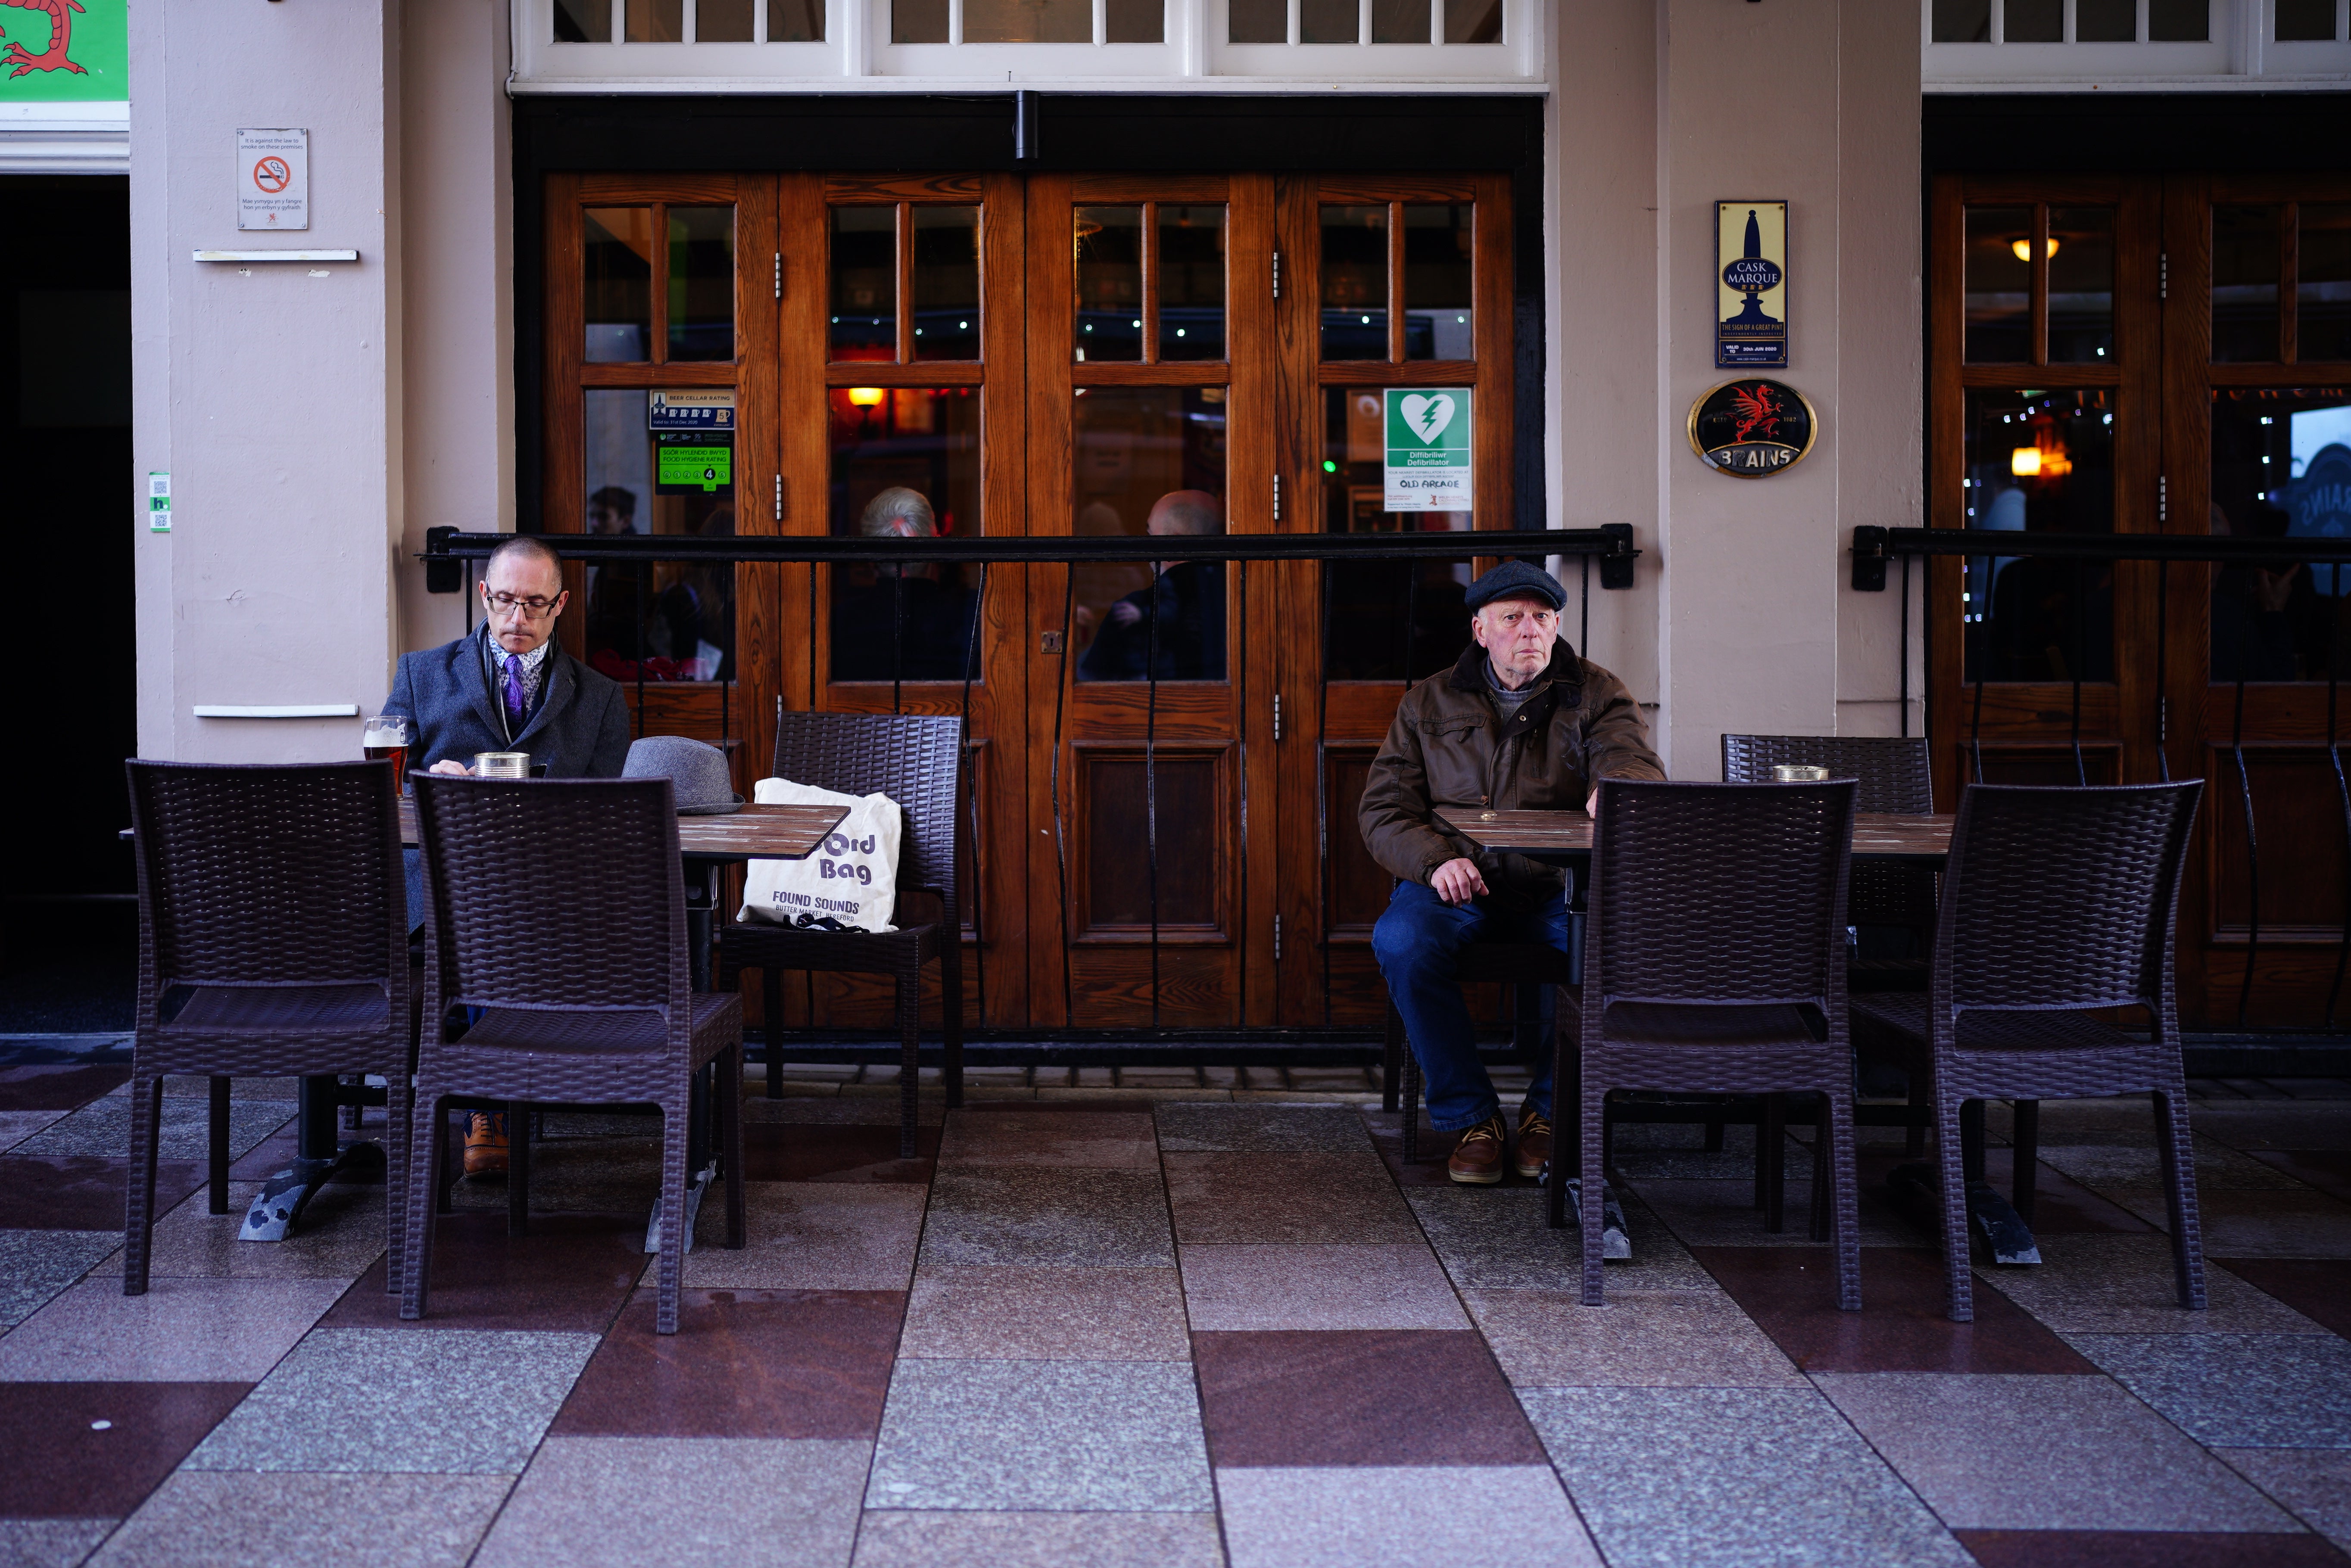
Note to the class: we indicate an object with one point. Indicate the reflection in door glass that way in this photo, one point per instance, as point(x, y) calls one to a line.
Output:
point(1387, 620)
point(617, 255)
point(1191, 283)
point(864, 283)
point(701, 283)
point(1473, 21)
point(1135, 22)
point(2281, 470)
point(1109, 274)
point(1355, 282)
point(2322, 297)
point(1329, 22)
point(796, 21)
point(905, 464)
point(2245, 285)
point(2000, 285)
point(946, 283)
point(2081, 285)
point(653, 21)
point(1436, 279)
point(722, 21)
point(2039, 463)
point(1400, 21)
point(1027, 22)
point(665, 621)
point(1149, 460)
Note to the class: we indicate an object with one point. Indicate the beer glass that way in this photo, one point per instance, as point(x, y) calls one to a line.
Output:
point(387, 735)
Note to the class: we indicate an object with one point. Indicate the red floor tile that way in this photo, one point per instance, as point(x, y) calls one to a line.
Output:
point(1791, 1292)
point(2319, 1289)
point(2144, 1549)
point(780, 1151)
point(2062, 1206)
point(743, 1364)
point(2327, 1170)
point(54, 1465)
point(81, 1192)
point(573, 1271)
point(1405, 1396)
point(56, 1088)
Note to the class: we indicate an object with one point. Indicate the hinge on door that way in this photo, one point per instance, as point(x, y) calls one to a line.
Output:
point(779, 498)
point(1277, 498)
point(1277, 715)
point(2163, 276)
point(2163, 498)
point(1277, 938)
point(780, 275)
point(1277, 275)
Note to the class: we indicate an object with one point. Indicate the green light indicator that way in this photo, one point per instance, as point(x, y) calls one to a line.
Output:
point(1330, 467)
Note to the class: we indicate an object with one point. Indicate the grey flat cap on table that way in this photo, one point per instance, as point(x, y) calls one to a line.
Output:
point(1515, 580)
point(697, 772)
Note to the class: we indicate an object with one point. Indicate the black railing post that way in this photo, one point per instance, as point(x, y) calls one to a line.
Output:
point(2252, 855)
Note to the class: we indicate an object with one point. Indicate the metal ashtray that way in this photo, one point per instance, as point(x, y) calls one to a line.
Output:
point(502, 765)
point(1799, 772)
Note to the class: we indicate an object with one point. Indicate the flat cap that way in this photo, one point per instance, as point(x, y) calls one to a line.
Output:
point(1516, 580)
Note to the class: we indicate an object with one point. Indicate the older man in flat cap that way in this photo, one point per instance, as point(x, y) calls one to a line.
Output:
point(1521, 723)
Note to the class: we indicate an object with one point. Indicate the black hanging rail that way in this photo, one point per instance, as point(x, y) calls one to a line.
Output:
point(1873, 548)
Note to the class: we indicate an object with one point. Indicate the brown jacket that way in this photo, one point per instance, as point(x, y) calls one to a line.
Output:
point(1448, 747)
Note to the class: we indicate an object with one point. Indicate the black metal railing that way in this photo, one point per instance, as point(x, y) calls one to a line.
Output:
point(450, 553)
point(1874, 547)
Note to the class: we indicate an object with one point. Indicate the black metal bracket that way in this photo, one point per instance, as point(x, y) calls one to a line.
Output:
point(1869, 559)
point(1617, 555)
point(444, 573)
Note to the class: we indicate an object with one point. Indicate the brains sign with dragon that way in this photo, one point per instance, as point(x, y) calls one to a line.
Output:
point(56, 58)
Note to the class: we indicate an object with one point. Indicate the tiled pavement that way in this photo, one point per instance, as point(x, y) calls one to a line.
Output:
point(1171, 1321)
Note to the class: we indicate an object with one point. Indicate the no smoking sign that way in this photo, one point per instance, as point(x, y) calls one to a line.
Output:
point(272, 179)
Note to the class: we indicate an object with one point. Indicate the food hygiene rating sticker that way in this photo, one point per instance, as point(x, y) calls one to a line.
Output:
point(1427, 450)
point(692, 462)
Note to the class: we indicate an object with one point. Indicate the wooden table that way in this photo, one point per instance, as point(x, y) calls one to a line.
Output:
point(1561, 837)
point(754, 832)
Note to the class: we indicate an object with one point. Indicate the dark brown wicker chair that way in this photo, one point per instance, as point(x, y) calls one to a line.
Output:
point(273, 941)
point(916, 761)
point(1713, 963)
point(2055, 901)
point(555, 920)
point(1524, 967)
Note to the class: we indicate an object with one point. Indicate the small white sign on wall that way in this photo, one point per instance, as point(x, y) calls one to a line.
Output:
point(272, 179)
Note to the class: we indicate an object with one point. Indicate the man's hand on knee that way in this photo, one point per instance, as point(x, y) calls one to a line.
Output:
point(1457, 881)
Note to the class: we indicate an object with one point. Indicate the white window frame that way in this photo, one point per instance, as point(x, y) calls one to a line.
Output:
point(2241, 53)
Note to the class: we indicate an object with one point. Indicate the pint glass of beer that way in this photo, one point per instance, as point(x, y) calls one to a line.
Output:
point(387, 735)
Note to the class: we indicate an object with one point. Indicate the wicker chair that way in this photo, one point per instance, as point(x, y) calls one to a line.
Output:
point(271, 942)
point(555, 919)
point(2055, 901)
point(1714, 963)
point(916, 761)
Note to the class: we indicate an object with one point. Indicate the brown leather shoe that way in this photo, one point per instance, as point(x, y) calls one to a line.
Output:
point(486, 1143)
point(1478, 1158)
point(1534, 1145)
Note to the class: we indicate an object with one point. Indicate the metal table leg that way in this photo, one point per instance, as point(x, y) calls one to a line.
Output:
point(319, 1152)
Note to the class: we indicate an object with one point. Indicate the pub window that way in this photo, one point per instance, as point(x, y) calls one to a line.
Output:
point(1148, 460)
point(1398, 281)
point(681, 22)
point(1149, 282)
point(2078, 285)
point(2081, 22)
point(660, 464)
point(2281, 469)
point(2039, 461)
point(905, 283)
point(2259, 313)
point(1340, 22)
point(906, 464)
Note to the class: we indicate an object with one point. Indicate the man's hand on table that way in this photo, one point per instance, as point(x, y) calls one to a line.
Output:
point(454, 769)
point(1457, 881)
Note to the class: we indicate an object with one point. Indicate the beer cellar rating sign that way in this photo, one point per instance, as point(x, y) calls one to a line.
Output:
point(1752, 428)
point(1427, 459)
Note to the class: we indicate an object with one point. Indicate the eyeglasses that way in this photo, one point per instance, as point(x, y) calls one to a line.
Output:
point(535, 607)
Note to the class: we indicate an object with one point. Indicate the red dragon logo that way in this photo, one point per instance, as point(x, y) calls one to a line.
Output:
point(1756, 409)
point(52, 59)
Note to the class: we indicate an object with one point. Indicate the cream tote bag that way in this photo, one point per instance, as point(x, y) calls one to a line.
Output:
point(850, 882)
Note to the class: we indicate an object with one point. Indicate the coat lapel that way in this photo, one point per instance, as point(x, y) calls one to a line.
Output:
point(554, 692)
point(474, 676)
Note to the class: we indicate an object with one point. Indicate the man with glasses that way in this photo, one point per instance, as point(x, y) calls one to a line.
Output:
point(508, 688)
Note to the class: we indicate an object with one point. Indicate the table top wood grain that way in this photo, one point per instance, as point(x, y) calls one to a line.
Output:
point(1877, 835)
point(754, 832)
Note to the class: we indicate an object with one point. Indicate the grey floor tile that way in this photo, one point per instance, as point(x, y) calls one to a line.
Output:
point(342, 1233)
point(891, 1538)
point(1723, 1213)
point(1113, 1435)
point(103, 1127)
point(1318, 1286)
point(35, 1265)
point(198, 1520)
point(1041, 1214)
point(1294, 1197)
point(2316, 1483)
point(2233, 1390)
point(1113, 1139)
point(180, 1331)
point(1733, 1476)
point(1640, 1339)
point(2095, 1283)
point(452, 1402)
point(1029, 1313)
point(2219, 1169)
point(681, 1503)
point(2259, 1124)
point(2002, 1452)
point(835, 1110)
point(1356, 1516)
point(1497, 1238)
point(1261, 1129)
point(16, 1126)
point(811, 1235)
point(50, 1543)
point(2302, 1223)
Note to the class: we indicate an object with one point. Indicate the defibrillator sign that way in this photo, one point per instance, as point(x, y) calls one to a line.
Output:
point(1427, 450)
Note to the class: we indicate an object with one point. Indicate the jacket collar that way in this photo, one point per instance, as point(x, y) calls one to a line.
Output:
point(555, 682)
point(1470, 671)
point(475, 673)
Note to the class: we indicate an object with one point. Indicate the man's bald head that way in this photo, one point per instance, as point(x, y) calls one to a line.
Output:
point(1181, 511)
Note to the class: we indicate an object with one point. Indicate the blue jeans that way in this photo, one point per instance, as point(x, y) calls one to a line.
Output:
point(1415, 941)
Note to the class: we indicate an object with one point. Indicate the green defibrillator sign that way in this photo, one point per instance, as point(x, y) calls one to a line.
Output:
point(1427, 462)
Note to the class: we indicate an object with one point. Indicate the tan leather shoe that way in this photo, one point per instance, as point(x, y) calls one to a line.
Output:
point(1478, 1158)
point(486, 1143)
point(1534, 1145)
